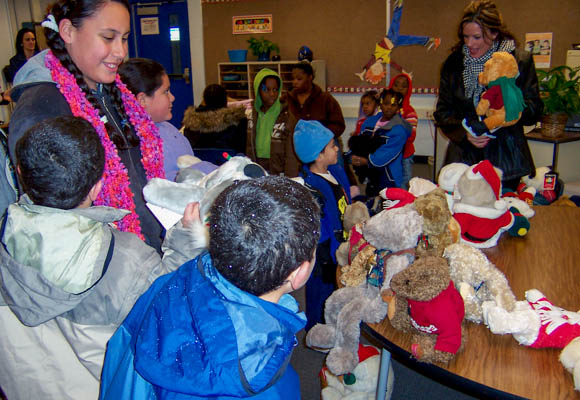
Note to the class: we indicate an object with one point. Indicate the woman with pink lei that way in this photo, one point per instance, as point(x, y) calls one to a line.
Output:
point(77, 76)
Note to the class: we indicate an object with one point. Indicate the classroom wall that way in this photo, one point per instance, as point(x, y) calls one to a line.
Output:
point(344, 32)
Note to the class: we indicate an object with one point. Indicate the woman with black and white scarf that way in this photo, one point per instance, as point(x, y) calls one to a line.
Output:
point(481, 33)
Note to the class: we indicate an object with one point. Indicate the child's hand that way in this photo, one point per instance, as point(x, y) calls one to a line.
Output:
point(191, 215)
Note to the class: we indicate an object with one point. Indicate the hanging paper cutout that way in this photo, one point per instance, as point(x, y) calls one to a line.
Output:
point(374, 70)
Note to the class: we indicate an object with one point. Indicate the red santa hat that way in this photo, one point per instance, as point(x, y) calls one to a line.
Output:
point(485, 170)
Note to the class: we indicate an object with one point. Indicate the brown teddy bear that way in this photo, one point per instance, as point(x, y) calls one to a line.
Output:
point(423, 300)
point(440, 229)
point(502, 103)
point(394, 232)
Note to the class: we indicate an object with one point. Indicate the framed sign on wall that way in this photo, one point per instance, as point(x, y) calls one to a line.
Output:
point(252, 24)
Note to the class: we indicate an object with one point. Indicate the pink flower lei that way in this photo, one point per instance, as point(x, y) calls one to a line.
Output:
point(116, 191)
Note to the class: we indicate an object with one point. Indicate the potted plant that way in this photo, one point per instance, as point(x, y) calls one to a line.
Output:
point(559, 90)
point(262, 47)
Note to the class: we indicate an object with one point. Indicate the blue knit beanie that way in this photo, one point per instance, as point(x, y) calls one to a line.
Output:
point(310, 138)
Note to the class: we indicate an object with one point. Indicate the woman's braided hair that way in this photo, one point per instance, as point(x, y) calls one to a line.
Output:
point(76, 11)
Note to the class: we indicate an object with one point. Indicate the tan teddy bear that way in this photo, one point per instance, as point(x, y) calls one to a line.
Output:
point(355, 273)
point(394, 234)
point(502, 103)
point(440, 229)
point(477, 280)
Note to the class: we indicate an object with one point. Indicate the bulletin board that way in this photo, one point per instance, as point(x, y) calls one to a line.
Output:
point(344, 32)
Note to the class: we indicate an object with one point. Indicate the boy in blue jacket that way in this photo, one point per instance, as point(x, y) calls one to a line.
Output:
point(315, 147)
point(377, 153)
point(223, 325)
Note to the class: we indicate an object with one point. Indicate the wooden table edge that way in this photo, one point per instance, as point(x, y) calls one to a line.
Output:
point(437, 373)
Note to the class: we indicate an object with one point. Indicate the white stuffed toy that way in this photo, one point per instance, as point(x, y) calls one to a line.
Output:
point(195, 186)
point(538, 323)
point(570, 359)
point(361, 384)
point(477, 280)
point(167, 200)
point(448, 178)
point(420, 186)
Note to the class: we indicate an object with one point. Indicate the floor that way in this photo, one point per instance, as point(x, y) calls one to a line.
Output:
point(408, 384)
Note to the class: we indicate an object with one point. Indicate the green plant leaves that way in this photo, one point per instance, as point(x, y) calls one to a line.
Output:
point(261, 45)
point(559, 89)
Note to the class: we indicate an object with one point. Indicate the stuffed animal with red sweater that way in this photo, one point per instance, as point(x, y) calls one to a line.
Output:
point(502, 103)
point(424, 301)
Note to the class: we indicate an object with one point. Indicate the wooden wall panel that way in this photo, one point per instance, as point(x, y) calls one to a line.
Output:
point(343, 32)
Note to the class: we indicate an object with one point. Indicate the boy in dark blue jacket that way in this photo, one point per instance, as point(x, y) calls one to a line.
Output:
point(315, 147)
point(223, 325)
point(377, 153)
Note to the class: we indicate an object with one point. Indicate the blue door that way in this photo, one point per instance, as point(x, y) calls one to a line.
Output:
point(161, 32)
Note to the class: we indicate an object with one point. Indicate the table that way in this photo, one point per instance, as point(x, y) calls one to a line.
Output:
point(536, 135)
point(496, 366)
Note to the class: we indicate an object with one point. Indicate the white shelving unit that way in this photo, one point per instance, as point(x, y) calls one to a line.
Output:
point(238, 77)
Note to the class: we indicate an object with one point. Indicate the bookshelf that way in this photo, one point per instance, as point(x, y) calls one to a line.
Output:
point(238, 77)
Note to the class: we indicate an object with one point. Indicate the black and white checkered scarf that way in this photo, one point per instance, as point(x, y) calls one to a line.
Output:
point(473, 66)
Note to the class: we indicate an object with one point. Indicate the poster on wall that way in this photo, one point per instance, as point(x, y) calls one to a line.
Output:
point(150, 26)
point(540, 45)
point(252, 24)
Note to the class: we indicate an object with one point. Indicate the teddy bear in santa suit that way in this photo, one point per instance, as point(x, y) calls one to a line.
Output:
point(478, 208)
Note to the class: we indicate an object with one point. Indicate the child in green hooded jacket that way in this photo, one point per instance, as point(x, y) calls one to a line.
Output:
point(270, 128)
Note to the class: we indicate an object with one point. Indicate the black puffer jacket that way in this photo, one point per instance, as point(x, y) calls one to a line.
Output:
point(211, 132)
point(509, 151)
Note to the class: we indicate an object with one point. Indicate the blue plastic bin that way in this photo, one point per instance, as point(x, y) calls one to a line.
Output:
point(237, 55)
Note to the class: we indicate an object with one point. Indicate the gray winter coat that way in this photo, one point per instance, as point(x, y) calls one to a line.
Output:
point(68, 276)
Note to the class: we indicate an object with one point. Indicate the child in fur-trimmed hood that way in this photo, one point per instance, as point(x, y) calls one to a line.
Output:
point(214, 128)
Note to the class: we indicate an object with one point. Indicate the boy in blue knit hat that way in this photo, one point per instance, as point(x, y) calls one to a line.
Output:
point(315, 147)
